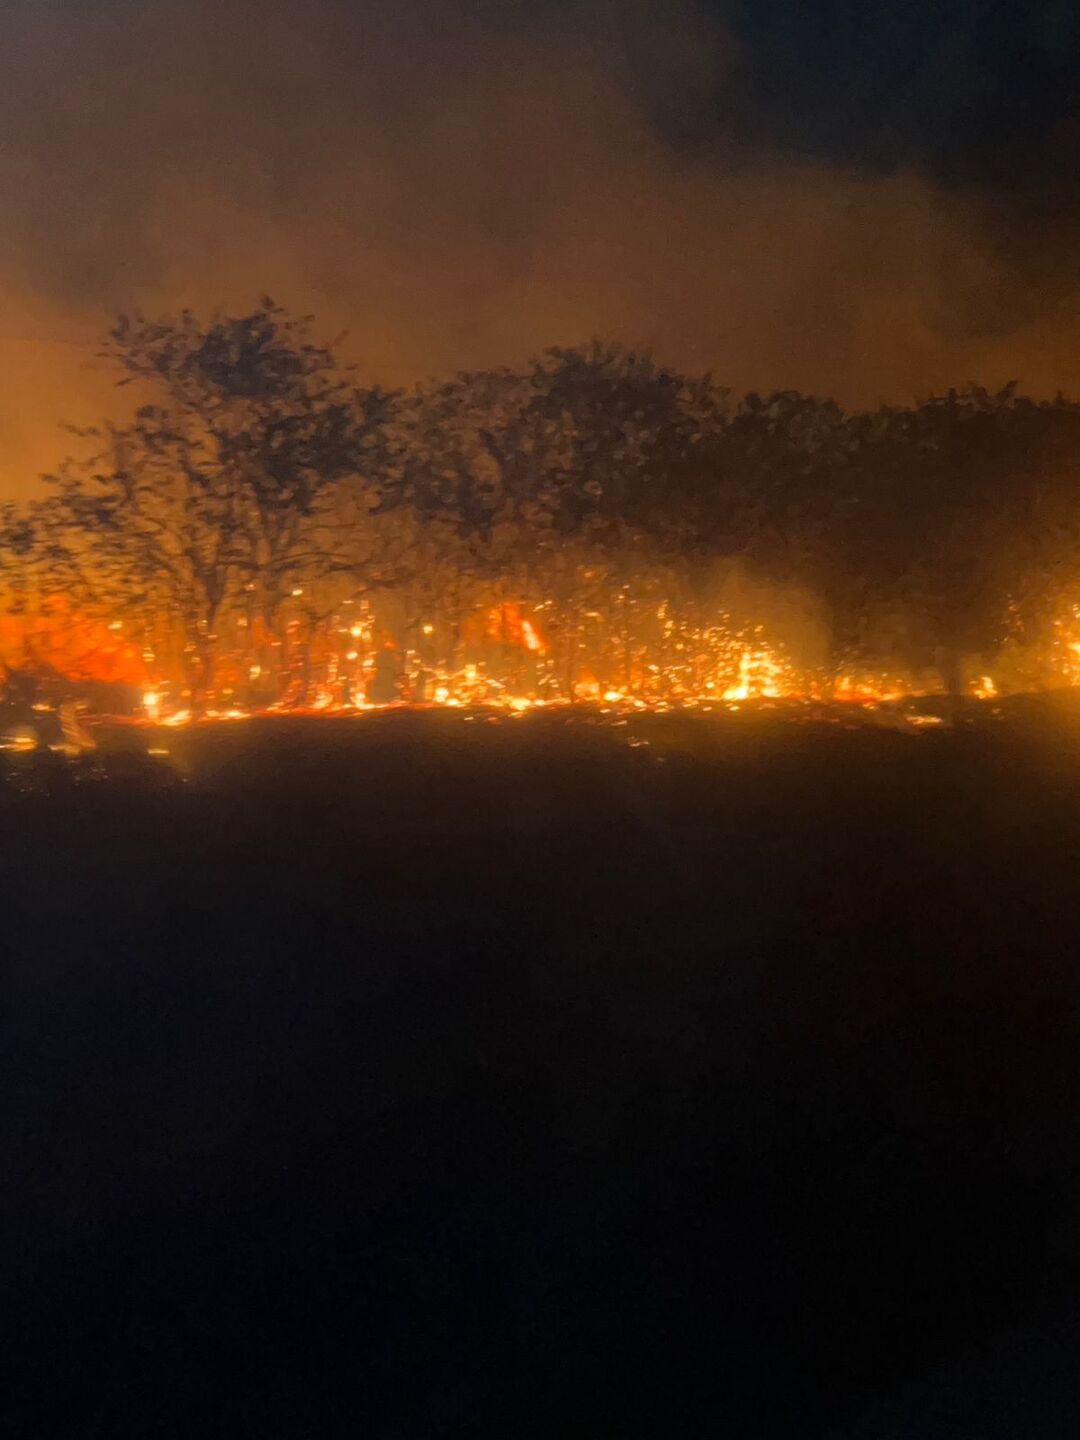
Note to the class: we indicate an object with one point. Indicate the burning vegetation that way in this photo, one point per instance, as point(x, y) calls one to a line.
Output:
point(262, 533)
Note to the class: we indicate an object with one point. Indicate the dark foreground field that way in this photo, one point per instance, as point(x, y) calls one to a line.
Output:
point(415, 1077)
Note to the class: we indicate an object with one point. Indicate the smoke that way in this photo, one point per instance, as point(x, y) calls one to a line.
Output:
point(791, 618)
point(459, 185)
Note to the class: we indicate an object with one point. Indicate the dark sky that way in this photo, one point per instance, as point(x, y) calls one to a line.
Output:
point(974, 91)
point(867, 200)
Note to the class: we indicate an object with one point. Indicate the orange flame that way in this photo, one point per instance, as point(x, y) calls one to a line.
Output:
point(507, 623)
point(73, 645)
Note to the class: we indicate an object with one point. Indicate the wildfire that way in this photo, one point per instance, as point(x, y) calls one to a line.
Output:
point(509, 625)
point(58, 639)
point(869, 689)
point(760, 675)
point(496, 657)
point(530, 637)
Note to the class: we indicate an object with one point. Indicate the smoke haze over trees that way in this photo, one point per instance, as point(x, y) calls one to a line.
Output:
point(465, 186)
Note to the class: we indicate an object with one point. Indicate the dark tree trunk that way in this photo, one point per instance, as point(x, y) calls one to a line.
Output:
point(950, 666)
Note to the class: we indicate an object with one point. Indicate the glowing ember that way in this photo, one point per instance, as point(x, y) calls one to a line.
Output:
point(22, 739)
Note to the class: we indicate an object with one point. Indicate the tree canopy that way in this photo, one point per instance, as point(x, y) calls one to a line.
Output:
point(257, 492)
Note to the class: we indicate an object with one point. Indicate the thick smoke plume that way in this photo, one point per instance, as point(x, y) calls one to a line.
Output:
point(457, 186)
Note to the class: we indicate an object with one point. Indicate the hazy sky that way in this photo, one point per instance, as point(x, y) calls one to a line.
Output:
point(869, 204)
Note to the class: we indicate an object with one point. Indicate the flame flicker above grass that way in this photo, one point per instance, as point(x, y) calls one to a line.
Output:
point(513, 656)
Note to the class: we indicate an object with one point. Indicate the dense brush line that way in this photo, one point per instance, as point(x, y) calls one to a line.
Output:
point(255, 491)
